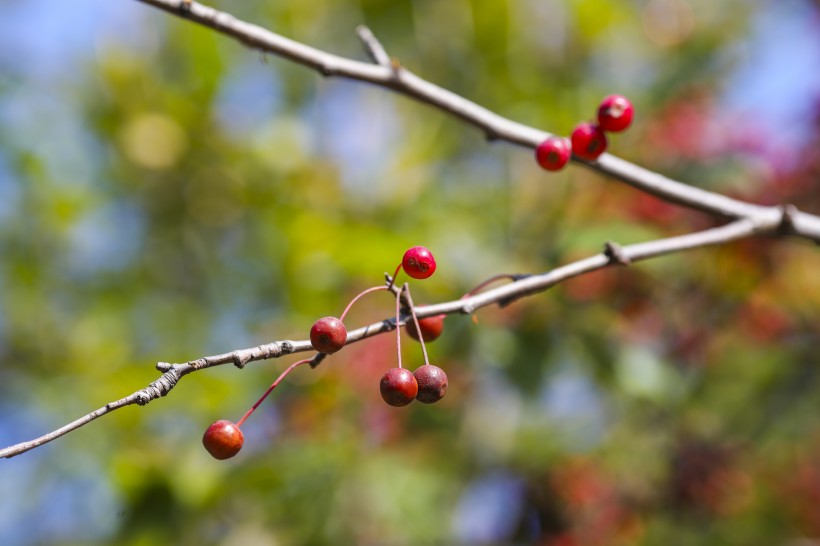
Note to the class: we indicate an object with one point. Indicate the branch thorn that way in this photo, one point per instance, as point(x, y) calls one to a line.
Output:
point(615, 253)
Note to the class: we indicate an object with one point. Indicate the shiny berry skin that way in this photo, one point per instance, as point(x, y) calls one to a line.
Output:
point(223, 439)
point(554, 153)
point(418, 263)
point(432, 383)
point(328, 335)
point(588, 141)
point(431, 328)
point(615, 113)
point(398, 387)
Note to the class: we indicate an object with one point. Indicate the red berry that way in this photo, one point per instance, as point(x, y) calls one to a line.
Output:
point(398, 387)
point(615, 113)
point(223, 439)
point(431, 328)
point(588, 141)
point(432, 383)
point(554, 153)
point(418, 263)
point(328, 335)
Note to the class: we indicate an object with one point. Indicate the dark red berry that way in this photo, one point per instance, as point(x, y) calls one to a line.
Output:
point(432, 383)
point(223, 439)
point(328, 335)
point(554, 153)
point(615, 113)
point(431, 328)
point(398, 387)
point(418, 263)
point(588, 141)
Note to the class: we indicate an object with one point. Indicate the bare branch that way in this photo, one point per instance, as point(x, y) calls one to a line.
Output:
point(495, 126)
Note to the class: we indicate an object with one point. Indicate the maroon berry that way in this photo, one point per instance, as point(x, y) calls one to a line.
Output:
point(328, 335)
point(431, 328)
point(418, 263)
point(398, 387)
point(554, 153)
point(588, 141)
point(432, 383)
point(223, 439)
point(615, 113)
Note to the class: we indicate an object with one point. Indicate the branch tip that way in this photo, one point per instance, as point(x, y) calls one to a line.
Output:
point(374, 49)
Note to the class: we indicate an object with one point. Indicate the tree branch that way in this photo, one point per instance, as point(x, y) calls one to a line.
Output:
point(401, 80)
point(503, 295)
point(748, 219)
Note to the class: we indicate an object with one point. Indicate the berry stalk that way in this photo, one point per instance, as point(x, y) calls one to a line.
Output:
point(354, 300)
point(416, 322)
point(270, 389)
point(398, 317)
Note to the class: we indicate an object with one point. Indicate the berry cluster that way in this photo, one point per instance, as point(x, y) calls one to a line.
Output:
point(398, 387)
point(588, 140)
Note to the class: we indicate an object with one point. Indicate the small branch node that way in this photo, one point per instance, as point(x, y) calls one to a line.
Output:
point(317, 359)
point(396, 67)
point(199, 363)
point(284, 348)
point(240, 358)
point(506, 301)
point(388, 280)
point(164, 366)
point(788, 213)
point(157, 388)
point(185, 6)
point(616, 254)
point(326, 69)
point(390, 324)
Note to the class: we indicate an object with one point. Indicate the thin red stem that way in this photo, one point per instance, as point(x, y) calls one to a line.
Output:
point(483, 284)
point(398, 332)
point(270, 389)
point(393, 278)
point(349, 305)
point(416, 322)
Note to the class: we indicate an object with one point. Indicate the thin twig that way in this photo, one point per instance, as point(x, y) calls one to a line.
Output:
point(373, 46)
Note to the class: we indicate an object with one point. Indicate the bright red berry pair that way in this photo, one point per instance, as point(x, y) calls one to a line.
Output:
point(399, 387)
point(588, 140)
point(615, 114)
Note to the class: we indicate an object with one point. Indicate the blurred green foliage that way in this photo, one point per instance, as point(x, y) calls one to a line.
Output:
point(177, 195)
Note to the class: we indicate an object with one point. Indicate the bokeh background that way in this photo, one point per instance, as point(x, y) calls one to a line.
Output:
point(166, 193)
